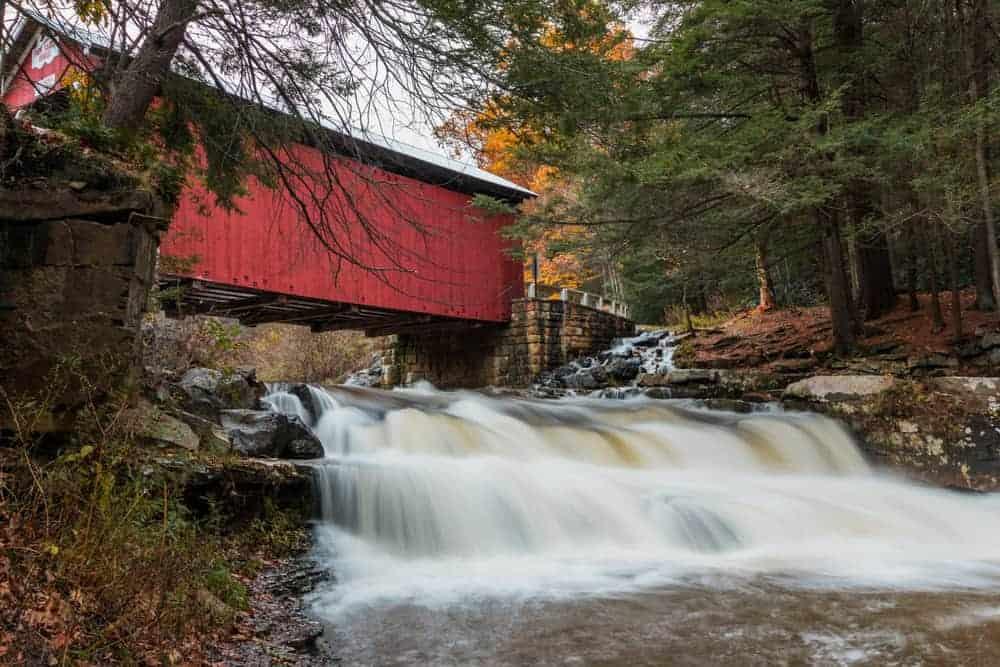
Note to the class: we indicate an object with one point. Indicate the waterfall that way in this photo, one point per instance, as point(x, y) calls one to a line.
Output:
point(419, 488)
point(288, 404)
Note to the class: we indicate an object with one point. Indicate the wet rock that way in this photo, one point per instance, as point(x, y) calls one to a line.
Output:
point(281, 623)
point(542, 391)
point(658, 393)
point(259, 433)
point(692, 375)
point(623, 370)
point(838, 387)
point(679, 376)
point(305, 396)
point(374, 376)
point(652, 380)
point(757, 397)
point(564, 372)
point(617, 393)
point(651, 339)
point(729, 405)
point(297, 578)
point(593, 377)
point(206, 391)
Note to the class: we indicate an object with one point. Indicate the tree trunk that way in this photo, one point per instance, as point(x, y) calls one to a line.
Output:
point(983, 178)
point(912, 258)
point(687, 311)
point(983, 273)
point(878, 295)
point(854, 264)
point(838, 285)
point(870, 257)
point(764, 282)
point(842, 316)
point(134, 88)
point(951, 257)
point(979, 90)
point(937, 319)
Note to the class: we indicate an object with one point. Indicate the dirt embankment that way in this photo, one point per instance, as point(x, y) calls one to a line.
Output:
point(799, 340)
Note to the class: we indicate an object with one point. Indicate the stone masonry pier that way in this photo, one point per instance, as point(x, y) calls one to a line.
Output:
point(76, 266)
point(543, 334)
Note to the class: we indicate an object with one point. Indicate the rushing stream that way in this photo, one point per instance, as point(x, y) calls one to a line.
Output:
point(465, 529)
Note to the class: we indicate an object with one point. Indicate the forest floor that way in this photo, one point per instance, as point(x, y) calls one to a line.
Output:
point(800, 338)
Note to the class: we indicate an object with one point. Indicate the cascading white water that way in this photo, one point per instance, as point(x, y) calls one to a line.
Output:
point(429, 494)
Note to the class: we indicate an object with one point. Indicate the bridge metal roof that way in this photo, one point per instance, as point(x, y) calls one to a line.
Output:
point(369, 147)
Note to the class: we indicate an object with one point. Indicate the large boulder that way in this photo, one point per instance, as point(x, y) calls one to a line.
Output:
point(369, 377)
point(692, 376)
point(261, 433)
point(308, 400)
point(679, 376)
point(593, 377)
point(211, 436)
point(622, 370)
point(163, 430)
point(838, 387)
point(206, 391)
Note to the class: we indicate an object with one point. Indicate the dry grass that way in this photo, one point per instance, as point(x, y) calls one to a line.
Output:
point(101, 561)
point(279, 352)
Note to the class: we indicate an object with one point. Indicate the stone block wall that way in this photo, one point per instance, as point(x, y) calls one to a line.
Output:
point(541, 335)
point(74, 284)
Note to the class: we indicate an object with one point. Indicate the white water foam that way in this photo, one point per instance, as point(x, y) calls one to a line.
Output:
point(434, 498)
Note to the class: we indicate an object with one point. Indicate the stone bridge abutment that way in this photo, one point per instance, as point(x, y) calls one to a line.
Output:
point(543, 334)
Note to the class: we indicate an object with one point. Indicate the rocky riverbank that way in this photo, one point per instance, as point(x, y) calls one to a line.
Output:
point(912, 416)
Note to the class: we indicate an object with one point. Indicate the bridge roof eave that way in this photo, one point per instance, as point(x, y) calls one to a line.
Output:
point(385, 152)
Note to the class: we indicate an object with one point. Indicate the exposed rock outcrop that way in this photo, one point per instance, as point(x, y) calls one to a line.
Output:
point(160, 429)
point(943, 430)
point(258, 433)
point(206, 391)
point(828, 388)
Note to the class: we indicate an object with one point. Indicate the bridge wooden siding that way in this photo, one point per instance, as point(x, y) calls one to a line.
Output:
point(433, 256)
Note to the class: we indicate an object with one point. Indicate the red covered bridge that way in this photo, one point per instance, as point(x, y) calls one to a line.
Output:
point(430, 260)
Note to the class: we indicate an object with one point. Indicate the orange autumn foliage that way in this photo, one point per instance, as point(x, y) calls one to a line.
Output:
point(496, 147)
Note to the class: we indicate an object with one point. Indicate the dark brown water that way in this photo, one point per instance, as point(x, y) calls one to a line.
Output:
point(760, 623)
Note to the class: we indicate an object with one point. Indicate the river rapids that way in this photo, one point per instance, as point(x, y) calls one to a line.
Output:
point(468, 529)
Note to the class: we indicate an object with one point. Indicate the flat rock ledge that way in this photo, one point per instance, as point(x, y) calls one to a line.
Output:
point(838, 387)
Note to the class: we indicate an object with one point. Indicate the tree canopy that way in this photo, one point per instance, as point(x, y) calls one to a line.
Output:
point(842, 144)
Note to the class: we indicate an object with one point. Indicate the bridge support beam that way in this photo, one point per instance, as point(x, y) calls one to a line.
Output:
point(542, 335)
